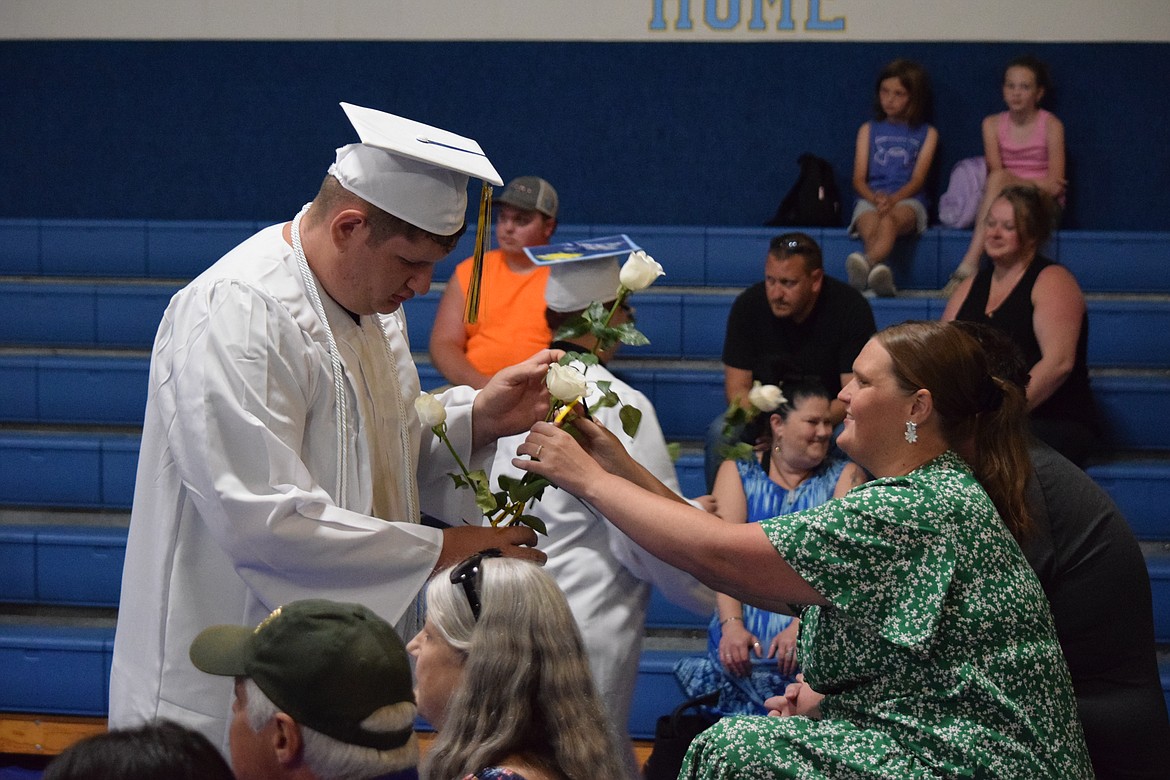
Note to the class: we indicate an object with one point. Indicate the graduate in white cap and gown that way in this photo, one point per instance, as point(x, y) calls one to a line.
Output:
point(282, 457)
point(605, 576)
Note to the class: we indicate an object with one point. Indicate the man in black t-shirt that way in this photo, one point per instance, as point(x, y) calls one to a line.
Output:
point(797, 323)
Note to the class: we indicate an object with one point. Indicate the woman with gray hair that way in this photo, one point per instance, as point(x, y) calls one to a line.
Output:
point(501, 673)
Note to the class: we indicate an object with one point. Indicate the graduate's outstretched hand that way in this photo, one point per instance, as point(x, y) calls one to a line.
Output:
point(513, 399)
point(516, 541)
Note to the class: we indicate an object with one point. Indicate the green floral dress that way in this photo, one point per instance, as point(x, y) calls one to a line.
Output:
point(937, 654)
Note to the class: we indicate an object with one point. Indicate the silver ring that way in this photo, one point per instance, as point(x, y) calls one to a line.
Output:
point(755, 644)
point(539, 447)
point(791, 653)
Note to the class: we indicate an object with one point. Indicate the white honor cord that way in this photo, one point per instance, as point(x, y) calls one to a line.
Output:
point(341, 400)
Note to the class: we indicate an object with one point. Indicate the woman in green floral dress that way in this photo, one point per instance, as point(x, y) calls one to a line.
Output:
point(927, 638)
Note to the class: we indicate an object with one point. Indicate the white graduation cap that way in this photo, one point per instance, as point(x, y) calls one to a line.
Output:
point(419, 174)
point(414, 171)
point(572, 286)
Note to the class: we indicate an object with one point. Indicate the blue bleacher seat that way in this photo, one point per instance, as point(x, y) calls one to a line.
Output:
point(83, 247)
point(1164, 674)
point(58, 670)
point(20, 247)
point(182, 250)
point(656, 692)
point(661, 613)
point(80, 565)
point(18, 562)
point(1113, 261)
point(691, 476)
point(1139, 488)
point(1158, 565)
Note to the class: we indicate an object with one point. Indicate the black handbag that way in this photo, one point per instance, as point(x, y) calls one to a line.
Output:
point(673, 734)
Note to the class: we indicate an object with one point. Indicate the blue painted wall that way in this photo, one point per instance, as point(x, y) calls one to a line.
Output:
point(650, 133)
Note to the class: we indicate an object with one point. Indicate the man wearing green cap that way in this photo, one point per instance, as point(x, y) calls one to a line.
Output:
point(322, 689)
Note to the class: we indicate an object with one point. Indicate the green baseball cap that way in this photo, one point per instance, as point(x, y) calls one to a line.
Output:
point(328, 665)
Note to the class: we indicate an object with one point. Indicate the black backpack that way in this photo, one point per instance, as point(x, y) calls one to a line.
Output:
point(814, 201)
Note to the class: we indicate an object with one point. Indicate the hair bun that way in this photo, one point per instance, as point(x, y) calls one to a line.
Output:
point(990, 394)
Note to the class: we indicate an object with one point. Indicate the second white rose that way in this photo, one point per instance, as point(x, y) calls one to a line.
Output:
point(766, 398)
point(639, 271)
point(565, 383)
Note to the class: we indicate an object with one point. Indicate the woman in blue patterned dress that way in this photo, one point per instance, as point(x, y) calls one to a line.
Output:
point(792, 473)
point(927, 636)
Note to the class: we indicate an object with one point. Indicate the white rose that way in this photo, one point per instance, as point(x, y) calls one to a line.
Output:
point(766, 398)
point(640, 271)
point(565, 383)
point(431, 411)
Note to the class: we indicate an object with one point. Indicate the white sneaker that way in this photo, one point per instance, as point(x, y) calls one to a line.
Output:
point(881, 281)
point(857, 270)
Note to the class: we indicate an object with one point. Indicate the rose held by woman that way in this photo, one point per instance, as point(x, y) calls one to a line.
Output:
point(766, 398)
point(565, 383)
point(639, 271)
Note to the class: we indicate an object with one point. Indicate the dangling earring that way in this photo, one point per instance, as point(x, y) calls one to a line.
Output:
point(911, 431)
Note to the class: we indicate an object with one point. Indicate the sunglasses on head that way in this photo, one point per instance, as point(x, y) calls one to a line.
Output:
point(795, 244)
point(467, 574)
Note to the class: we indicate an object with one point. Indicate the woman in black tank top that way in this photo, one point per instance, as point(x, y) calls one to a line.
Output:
point(1041, 307)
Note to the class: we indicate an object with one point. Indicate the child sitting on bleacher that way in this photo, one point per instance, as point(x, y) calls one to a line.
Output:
point(1023, 145)
point(893, 155)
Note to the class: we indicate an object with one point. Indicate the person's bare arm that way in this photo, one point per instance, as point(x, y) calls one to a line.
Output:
point(991, 153)
point(449, 340)
point(955, 302)
point(1058, 307)
point(1055, 182)
point(851, 476)
point(736, 383)
point(736, 560)
point(861, 165)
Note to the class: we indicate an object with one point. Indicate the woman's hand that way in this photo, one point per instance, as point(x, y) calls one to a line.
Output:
point(558, 457)
point(783, 648)
point(798, 699)
point(736, 646)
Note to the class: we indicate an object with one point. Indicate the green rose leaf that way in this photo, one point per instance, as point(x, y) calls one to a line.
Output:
point(573, 328)
point(631, 418)
point(626, 333)
point(525, 491)
point(533, 522)
point(740, 451)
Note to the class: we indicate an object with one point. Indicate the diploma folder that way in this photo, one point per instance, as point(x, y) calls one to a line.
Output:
point(576, 251)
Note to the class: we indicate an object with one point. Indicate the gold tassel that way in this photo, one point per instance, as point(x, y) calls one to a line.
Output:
point(471, 313)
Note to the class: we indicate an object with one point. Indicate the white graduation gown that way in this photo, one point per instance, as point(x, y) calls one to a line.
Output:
point(234, 508)
point(605, 576)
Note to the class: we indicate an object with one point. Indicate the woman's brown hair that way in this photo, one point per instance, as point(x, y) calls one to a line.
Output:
point(974, 407)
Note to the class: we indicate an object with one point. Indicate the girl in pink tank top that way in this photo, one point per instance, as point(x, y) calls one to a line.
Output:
point(1023, 145)
point(1021, 152)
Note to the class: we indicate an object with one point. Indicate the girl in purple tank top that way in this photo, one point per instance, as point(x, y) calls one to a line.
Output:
point(1023, 145)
